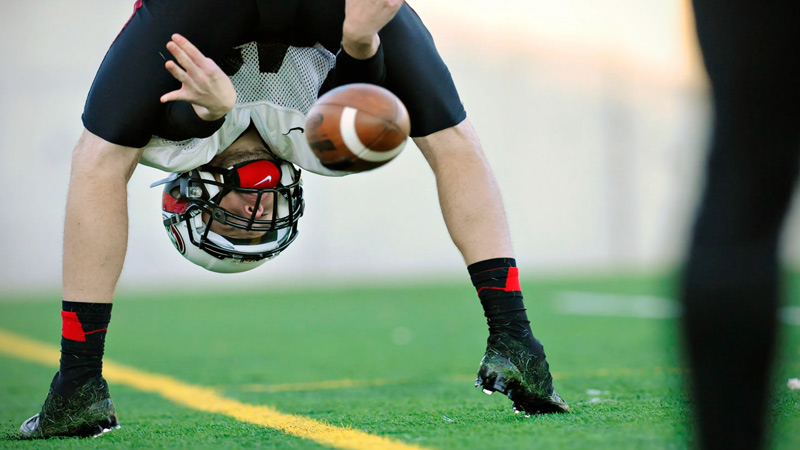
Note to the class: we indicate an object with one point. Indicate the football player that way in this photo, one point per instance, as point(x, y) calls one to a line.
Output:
point(731, 284)
point(185, 120)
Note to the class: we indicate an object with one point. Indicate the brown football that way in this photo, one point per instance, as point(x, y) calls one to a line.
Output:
point(357, 127)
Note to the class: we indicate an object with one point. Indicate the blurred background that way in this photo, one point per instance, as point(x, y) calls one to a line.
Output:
point(592, 114)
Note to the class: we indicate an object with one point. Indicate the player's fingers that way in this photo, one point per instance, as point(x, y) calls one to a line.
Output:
point(176, 71)
point(180, 55)
point(172, 96)
point(180, 94)
point(189, 49)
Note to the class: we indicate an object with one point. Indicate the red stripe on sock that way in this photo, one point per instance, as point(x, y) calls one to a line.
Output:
point(512, 282)
point(71, 327)
point(96, 331)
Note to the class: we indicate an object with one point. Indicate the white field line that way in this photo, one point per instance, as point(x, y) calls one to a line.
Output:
point(642, 306)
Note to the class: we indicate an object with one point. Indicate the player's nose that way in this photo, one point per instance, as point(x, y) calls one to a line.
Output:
point(248, 209)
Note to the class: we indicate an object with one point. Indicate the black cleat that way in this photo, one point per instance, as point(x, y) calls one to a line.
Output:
point(88, 412)
point(509, 367)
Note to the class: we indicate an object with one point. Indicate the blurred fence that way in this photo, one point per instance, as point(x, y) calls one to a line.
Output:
point(593, 117)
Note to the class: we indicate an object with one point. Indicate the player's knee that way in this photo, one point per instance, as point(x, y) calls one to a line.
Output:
point(95, 155)
point(458, 141)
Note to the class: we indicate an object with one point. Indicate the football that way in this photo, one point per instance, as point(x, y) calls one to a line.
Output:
point(357, 127)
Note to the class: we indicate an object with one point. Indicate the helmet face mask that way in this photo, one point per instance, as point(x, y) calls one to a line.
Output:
point(222, 240)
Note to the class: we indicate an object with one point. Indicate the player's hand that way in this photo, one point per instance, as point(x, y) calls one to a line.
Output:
point(362, 21)
point(204, 84)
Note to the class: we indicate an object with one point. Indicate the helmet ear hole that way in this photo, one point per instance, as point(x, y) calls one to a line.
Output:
point(219, 215)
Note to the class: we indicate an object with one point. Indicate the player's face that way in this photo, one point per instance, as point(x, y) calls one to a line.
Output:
point(248, 145)
point(243, 205)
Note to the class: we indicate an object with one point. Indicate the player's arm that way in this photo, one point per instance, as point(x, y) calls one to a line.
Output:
point(363, 19)
point(360, 60)
point(206, 94)
point(351, 70)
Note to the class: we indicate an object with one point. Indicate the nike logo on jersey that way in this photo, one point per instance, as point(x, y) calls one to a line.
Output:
point(268, 178)
point(293, 129)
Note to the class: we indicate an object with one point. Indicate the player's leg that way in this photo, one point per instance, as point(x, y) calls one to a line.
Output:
point(120, 114)
point(468, 193)
point(79, 403)
point(515, 363)
point(94, 250)
point(123, 108)
point(731, 282)
point(473, 211)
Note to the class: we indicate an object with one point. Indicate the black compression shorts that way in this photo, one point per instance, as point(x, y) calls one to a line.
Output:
point(123, 104)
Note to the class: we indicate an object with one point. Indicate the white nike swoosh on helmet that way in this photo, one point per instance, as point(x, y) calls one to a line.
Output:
point(268, 178)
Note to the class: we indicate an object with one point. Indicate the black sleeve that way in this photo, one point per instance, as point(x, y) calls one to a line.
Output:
point(351, 70)
point(180, 121)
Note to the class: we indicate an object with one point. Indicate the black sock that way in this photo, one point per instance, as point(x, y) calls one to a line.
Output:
point(497, 283)
point(83, 338)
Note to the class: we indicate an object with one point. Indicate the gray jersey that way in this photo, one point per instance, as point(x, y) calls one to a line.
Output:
point(273, 94)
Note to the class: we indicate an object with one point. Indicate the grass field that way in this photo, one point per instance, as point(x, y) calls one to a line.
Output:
point(395, 362)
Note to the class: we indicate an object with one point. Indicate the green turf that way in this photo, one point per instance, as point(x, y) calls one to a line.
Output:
point(416, 350)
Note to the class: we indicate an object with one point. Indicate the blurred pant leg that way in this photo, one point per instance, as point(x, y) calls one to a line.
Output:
point(731, 281)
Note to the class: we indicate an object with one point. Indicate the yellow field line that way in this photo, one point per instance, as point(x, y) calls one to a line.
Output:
point(207, 400)
point(321, 385)
point(462, 378)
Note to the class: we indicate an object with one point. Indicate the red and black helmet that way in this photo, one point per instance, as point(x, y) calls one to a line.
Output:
point(269, 199)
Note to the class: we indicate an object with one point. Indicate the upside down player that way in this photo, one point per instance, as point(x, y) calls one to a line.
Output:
point(126, 120)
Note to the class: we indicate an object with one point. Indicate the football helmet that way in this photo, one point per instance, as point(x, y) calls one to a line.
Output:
point(268, 199)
